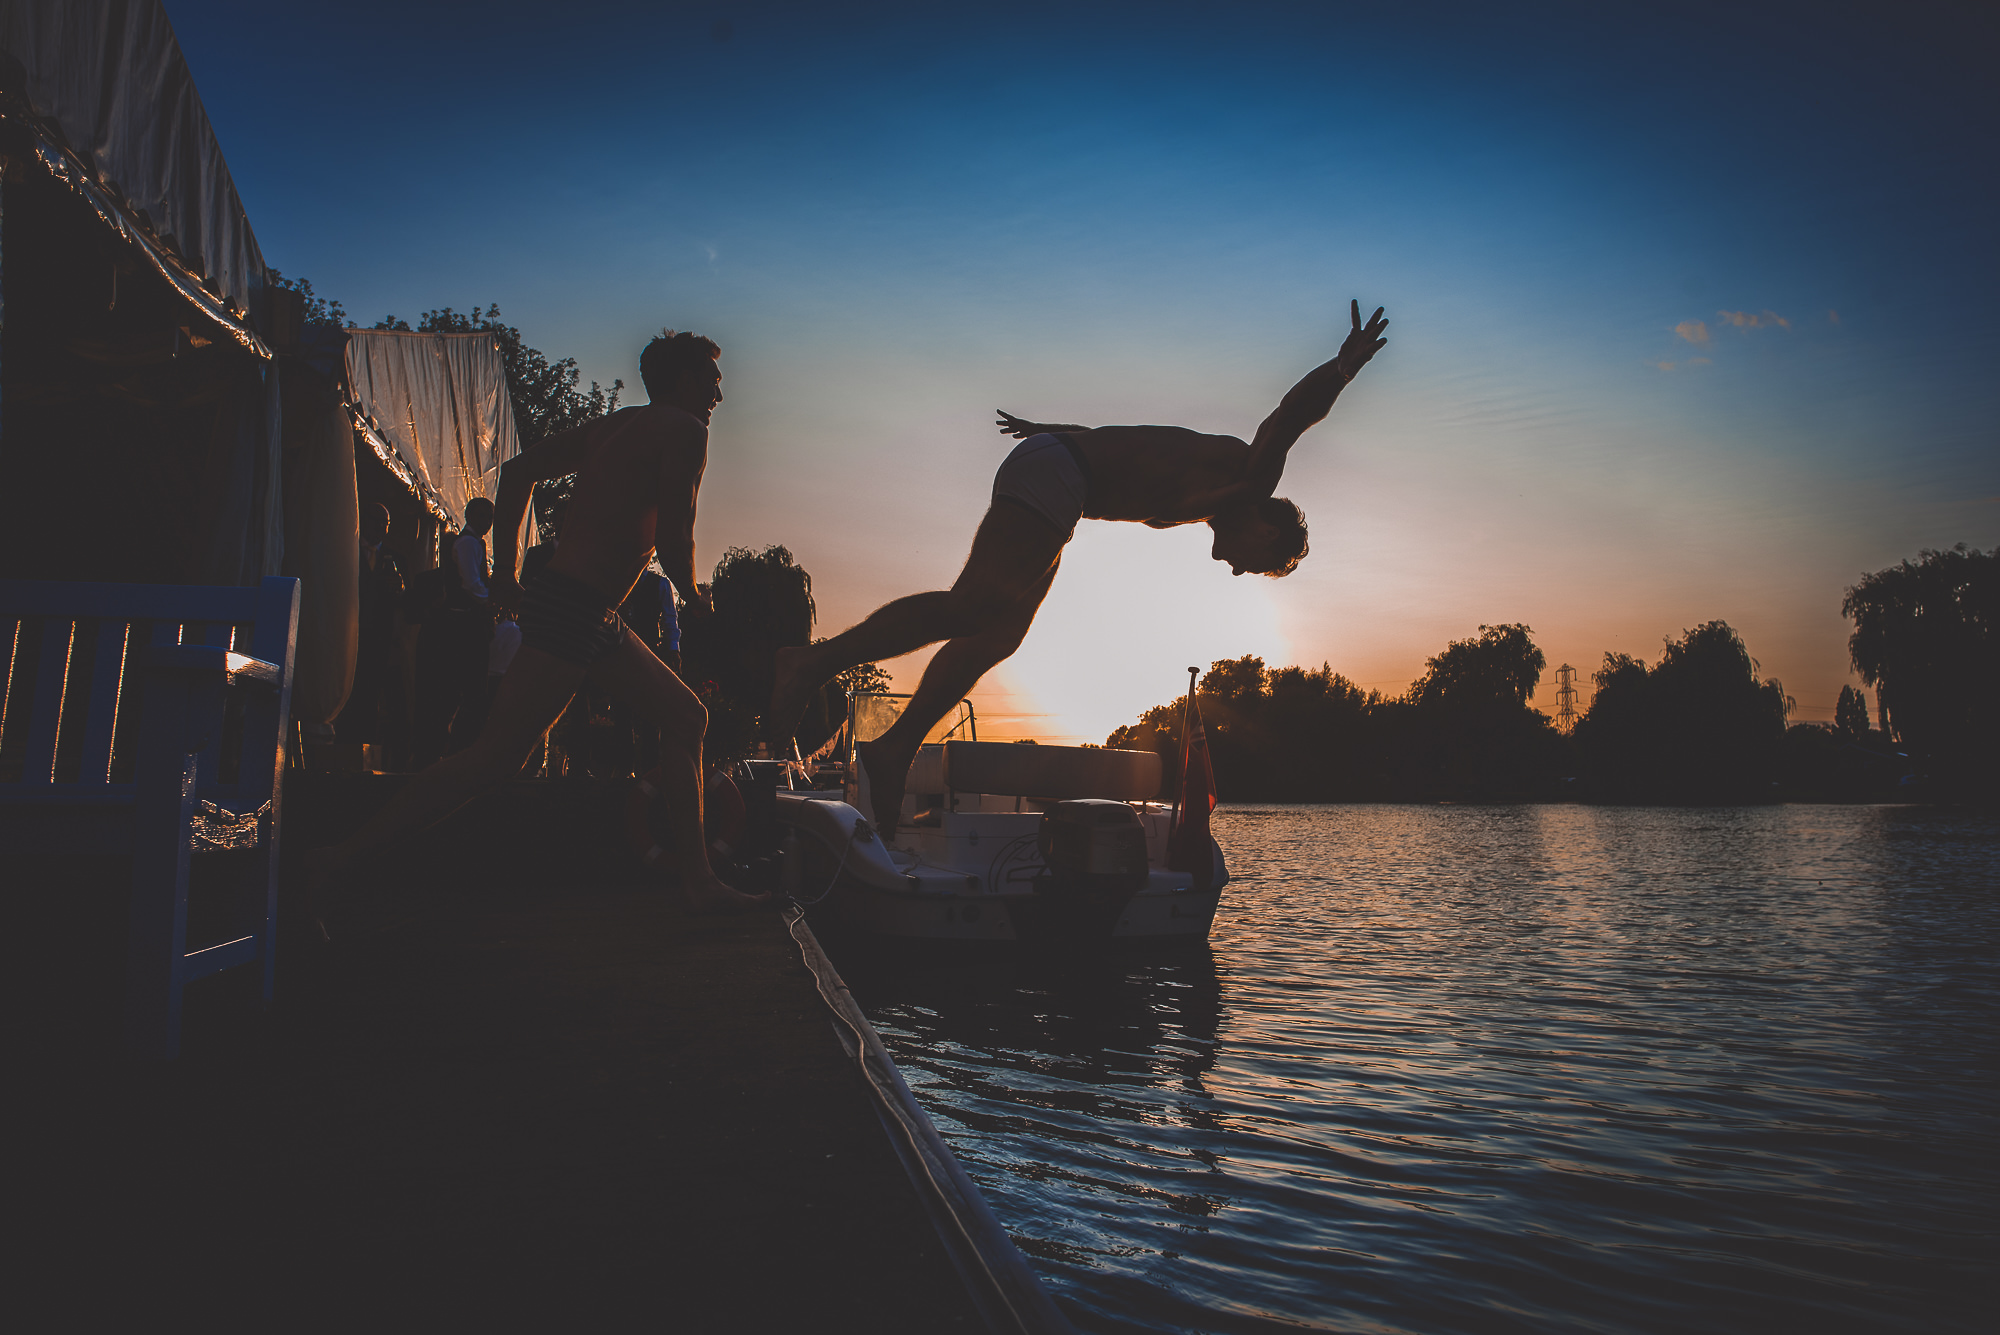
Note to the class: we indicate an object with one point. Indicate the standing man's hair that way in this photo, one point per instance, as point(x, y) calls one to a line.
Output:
point(670, 354)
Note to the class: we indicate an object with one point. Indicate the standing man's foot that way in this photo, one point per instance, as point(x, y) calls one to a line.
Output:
point(791, 690)
point(321, 868)
point(887, 773)
point(707, 895)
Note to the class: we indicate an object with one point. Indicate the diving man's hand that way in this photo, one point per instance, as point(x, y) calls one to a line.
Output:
point(1021, 429)
point(702, 604)
point(1363, 343)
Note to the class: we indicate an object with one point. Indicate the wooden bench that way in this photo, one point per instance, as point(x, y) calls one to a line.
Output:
point(150, 720)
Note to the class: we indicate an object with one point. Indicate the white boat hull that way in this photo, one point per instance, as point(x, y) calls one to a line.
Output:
point(970, 875)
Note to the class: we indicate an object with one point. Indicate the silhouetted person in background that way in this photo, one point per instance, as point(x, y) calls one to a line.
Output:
point(500, 651)
point(458, 623)
point(424, 603)
point(638, 476)
point(377, 671)
point(649, 610)
point(469, 615)
point(1160, 476)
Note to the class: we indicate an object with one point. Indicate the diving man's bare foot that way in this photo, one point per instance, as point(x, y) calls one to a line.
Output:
point(710, 895)
point(887, 773)
point(790, 692)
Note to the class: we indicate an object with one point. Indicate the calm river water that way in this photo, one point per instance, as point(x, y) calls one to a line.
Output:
point(1520, 1068)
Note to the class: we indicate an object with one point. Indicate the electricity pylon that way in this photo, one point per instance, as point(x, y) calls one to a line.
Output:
point(1565, 699)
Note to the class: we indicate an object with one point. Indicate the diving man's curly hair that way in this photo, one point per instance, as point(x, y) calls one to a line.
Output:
point(1288, 548)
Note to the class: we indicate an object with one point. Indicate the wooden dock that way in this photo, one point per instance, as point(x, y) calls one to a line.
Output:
point(546, 1097)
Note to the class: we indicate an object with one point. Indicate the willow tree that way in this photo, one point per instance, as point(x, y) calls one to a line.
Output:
point(1927, 637)
point(1701, 725)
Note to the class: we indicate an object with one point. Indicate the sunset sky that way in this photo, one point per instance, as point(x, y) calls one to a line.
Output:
point(1692, 306)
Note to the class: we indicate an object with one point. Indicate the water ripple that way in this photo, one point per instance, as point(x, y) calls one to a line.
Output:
point(1504, 1069)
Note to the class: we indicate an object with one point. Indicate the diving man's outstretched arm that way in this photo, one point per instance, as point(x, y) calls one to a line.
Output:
point(1309, 401)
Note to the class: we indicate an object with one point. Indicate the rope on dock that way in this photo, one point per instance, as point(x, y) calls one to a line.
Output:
point(1009, 1297)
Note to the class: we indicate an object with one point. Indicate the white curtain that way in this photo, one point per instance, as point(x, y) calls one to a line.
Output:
point(440, 400)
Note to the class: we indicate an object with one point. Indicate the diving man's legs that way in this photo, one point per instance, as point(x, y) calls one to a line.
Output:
point(951, 675)
point(1013, 554)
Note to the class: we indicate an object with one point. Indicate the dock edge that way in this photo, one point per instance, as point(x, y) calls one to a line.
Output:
point(1006, 1292)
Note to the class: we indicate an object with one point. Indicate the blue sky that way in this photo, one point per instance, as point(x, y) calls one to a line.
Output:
point(896, 218)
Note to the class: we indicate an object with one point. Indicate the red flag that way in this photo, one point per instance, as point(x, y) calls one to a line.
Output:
point(1189, 846)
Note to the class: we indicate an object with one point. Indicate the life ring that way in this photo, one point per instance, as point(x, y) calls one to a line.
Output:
point(645, 817)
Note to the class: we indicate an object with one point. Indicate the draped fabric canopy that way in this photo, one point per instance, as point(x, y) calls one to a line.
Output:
point(116, 116)
point(439, 403)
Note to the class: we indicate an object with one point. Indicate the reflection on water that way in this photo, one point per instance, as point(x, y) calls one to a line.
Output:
point(1503, 1068)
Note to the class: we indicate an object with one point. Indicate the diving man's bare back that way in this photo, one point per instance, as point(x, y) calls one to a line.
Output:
point(1166, 476)
point(1161, 476)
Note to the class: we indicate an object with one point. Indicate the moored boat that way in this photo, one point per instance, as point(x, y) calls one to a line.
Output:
point(997, 842)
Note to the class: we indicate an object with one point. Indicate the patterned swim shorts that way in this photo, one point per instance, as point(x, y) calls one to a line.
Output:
point(567, 618)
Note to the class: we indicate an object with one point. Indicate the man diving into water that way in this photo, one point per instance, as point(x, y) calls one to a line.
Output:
point(638, 474)
point(1160, 476)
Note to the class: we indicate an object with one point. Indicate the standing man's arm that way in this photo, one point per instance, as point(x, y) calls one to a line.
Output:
point(1309, 401)
point(556, 456)
point(683, 462)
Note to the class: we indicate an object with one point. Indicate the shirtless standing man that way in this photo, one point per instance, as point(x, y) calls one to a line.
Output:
point(638, 476)
point(1160, 476)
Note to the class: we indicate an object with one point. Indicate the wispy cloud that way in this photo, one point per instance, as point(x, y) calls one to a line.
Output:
point(1833, 317)
point(1692, 361)
point(1750, 320)
point(1694, 331)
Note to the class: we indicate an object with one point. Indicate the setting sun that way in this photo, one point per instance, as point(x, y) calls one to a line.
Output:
point(1132, 610)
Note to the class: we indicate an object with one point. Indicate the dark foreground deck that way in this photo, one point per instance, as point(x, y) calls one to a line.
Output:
point(549, 1098)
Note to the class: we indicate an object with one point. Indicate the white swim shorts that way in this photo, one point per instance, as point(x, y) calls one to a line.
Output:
point(1049, 475)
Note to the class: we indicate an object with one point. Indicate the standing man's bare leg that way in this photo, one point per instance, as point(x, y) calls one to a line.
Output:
point(1013, 552)
point(650, 689)
point(949, 678)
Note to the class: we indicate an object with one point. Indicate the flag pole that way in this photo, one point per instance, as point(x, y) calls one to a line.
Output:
point(1187, 707)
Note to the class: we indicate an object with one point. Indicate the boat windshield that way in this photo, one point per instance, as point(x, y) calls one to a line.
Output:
point(869, 714)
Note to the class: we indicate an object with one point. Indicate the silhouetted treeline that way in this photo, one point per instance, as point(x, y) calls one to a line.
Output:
point(1462, 732)
point(1699, 726)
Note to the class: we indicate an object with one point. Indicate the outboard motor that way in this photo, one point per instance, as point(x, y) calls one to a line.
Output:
point(1095, 853)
